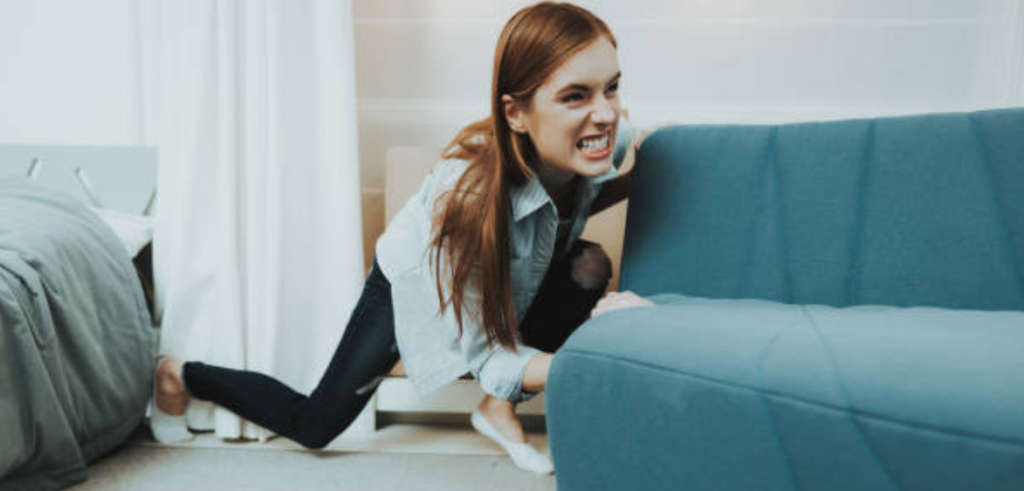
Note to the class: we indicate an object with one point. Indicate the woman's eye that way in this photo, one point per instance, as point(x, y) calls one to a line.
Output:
point(573, 97)
point(613, 87)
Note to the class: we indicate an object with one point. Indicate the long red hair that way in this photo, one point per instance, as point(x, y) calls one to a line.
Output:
point(471, 224)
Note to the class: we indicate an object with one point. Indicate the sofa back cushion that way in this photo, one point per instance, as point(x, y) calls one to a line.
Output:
point(914, 210)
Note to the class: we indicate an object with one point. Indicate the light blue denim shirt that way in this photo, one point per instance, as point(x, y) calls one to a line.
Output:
point(427, 340)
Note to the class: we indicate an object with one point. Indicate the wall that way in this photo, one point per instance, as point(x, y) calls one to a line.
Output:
point(68, 72)
point(69, 69)
point(424, 67)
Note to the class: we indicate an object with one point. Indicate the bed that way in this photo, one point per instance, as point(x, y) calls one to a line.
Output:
point(77, 342)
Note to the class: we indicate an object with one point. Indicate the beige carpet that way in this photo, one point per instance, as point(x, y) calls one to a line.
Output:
point(141, 465)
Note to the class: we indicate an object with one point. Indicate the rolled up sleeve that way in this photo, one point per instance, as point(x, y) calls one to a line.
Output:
point(501, 373)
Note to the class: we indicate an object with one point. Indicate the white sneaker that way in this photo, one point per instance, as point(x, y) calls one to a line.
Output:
point(523, 455)
point(167, 428)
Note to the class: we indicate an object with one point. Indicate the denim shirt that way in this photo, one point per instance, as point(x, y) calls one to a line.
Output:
point(427, 339)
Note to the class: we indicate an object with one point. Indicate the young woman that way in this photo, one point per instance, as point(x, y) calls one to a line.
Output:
point(482, 271)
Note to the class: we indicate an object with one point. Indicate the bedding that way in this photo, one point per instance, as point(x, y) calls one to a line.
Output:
point(77, 344)
point(134, 231)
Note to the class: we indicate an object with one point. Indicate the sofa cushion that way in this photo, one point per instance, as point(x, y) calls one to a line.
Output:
point(750, 394)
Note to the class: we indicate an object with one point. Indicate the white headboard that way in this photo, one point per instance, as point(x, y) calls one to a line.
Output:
point(115, 178)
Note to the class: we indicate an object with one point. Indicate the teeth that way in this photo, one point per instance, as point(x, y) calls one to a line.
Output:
point(593, 143)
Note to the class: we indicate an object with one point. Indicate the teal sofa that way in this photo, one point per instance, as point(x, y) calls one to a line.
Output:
point(840, 306)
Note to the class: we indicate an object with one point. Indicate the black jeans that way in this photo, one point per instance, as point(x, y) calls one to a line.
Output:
point(366, 353)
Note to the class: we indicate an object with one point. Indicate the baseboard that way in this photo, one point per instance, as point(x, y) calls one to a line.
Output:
point(396, 394)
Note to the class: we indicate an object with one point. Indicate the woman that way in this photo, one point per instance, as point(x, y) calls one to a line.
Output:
point(481, 271)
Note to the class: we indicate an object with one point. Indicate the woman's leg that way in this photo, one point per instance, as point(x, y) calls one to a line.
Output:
point(501, 414)
point(366, 352)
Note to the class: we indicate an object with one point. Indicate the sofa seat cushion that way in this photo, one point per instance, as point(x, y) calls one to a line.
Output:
point(752, 394)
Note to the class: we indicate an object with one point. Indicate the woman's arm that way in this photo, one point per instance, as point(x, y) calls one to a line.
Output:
point(612, 192)
point(535, 375)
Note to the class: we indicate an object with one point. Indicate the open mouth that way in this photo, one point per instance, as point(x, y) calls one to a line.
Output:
point(596, 146)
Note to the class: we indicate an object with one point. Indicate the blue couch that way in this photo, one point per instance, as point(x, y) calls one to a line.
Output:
point(839, 308)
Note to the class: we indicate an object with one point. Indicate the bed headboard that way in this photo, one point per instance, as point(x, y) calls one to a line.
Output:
point(115, 178)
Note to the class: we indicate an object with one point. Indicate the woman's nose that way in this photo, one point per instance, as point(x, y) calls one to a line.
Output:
point(605, 112)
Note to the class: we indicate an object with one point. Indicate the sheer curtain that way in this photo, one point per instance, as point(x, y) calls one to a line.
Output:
point(258, 248)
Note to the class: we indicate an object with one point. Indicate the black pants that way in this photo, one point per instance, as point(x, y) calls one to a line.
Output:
point(367, 352)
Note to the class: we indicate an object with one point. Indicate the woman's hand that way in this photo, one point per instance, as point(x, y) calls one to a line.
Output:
point(616, 300)
point(639, 140)
point(648, 130)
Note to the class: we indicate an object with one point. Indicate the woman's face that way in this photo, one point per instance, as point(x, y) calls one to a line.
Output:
point(573, 115)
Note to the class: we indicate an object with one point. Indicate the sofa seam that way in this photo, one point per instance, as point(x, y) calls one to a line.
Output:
point(860, 215)
point(759, 190)
point(761, 393)
point(792, 398)
point(841, 387)
point(996, 203)
point(780, 216)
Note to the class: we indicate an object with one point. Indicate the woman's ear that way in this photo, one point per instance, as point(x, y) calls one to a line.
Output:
point(513, 114)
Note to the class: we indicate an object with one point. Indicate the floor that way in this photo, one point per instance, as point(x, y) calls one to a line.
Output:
point(399, 457)
point(394, 438)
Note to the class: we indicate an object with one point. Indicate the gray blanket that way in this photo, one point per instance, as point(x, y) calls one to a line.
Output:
point(76, 342)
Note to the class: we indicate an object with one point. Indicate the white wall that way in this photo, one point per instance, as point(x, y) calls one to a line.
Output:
point(69, 69)
point(1016, 62)
point(424, 67)
point(68, 72)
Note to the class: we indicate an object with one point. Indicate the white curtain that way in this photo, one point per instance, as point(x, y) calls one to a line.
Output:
point(258, 249)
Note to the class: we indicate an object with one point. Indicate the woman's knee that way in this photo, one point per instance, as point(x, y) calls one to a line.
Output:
point(592, 268)
point(316, 437)
point(316, 431)
point(315, 442)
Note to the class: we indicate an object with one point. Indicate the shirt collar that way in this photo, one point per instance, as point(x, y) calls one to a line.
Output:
point(531, 195)
point(528, 198)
